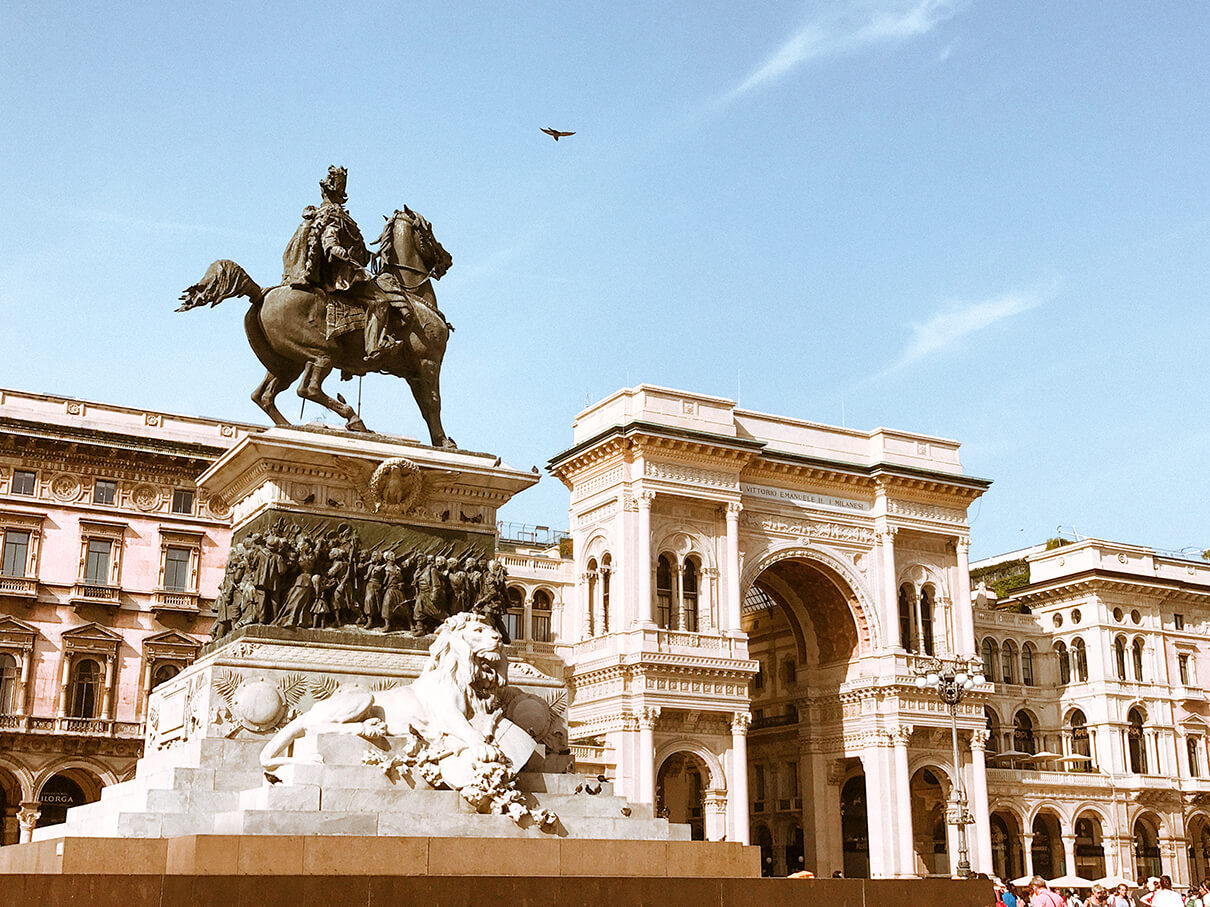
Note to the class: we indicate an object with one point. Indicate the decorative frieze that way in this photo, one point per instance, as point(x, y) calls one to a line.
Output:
point(803, 528)
point(690, 475)
point(918, 511)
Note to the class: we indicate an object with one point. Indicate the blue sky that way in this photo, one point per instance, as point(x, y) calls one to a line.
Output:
point(978, 220)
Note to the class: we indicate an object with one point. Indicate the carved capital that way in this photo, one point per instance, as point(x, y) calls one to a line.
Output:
point(733, 509)
point(740, 722)
point(630, 723)
point(648, 718)
point(963, 544)
point(901, 735)
point(29, 814)
point(645, 498)
point(715, 801)
point(979, 738)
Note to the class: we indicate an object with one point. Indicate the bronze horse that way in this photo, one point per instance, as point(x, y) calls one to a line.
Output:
point(287, 326)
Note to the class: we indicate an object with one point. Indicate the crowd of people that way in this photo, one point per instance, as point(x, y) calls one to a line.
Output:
point(1158, 892)
point(290, 576)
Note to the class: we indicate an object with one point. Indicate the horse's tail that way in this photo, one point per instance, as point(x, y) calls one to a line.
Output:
point(223, 280)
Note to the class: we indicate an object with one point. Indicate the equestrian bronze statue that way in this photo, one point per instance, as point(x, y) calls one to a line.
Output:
point(341, 307)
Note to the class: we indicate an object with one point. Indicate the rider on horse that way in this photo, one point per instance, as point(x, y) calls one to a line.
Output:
point(327, 253)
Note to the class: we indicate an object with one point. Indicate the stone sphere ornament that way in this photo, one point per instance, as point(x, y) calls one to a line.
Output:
point(259, 705)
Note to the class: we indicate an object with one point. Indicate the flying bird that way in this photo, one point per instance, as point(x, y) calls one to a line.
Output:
point(555, 134)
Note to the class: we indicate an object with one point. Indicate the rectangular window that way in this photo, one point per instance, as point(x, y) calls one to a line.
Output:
point(758, 782)
point(1178, 621)
point(1182, 667)
point(24, 481)
point(16, 552)
point(541, 627)
point(182, 500)
point(513, 624)
point(176, 569)
point(96, 562)
point(1195, 763)
point(104, 491)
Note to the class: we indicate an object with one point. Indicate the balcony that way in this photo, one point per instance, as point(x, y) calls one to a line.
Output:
point(174, 602)
point(19, 587)
point(83, 727)
point(88, 593)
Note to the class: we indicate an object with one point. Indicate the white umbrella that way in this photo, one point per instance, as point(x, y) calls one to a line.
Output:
point(1076, 757)
point(1024, 880)
point(1046, 754)
point(1115, 881)
point(1070, 881)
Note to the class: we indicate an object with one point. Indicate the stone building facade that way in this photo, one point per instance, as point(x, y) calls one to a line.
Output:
point(739, 612)
point(752, 595)
point(111, 561)
point(1099, 721)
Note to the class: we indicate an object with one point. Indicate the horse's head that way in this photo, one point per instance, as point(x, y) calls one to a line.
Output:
point(407, 240)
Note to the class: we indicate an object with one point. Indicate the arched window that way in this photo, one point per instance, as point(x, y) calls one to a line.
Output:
point(542, 605)
point(8, 684)
point(664, 614)
point(689, 595)
point(514, 618)
point(1081, 659)
point(1119, 656)
point(1135, 744)
point(926, 619)
point(1137, 647)
point(993, 730)
point(85, 689)
point(1008, 661)
point(606, 570)
point(1023, 733)
point(1027, 664)
point(164, 672)
point(1080, 743)
point(1064, 663)
point(906, 636)
point(991, 652)
point(591, 616)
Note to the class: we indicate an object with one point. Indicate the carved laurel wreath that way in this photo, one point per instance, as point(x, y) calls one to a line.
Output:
point(397, 485)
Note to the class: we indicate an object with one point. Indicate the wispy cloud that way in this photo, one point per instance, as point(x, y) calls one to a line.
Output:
point(955, 323)
point(120, 219)
point(857, 27)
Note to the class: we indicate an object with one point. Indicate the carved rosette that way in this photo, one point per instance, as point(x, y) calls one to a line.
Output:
point(65, 487)
point(145, 497)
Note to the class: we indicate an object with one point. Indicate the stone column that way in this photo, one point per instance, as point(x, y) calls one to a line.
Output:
point(964, 629)
point(827, 777)
point(981, 847)
point(64, 682)
point(27, 656)
point(643, 559)
point(1027, 843)
point(733, 600)
point(107, 697)
point(737, 798)
point(27, 819)
point(714, 805)
point(647, 721)
point(890, 589)
point(902, 811)
point(1069, 853)
point(882, 860)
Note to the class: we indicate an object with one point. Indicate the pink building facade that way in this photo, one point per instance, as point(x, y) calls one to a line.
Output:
point(111, 561)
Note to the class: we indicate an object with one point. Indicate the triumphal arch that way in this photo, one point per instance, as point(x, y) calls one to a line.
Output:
point(753, 596)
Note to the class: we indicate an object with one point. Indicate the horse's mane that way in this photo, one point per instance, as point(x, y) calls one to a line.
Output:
point(383, 242)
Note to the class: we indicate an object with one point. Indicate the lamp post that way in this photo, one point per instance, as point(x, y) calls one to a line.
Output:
point(952, 679)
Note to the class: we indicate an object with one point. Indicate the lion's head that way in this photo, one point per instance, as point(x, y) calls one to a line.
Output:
point(471, 651)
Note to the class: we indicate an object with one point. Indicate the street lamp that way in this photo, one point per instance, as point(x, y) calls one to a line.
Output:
point(952, 679)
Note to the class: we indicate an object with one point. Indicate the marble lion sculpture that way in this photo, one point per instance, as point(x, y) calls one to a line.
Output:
point(454, 707)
